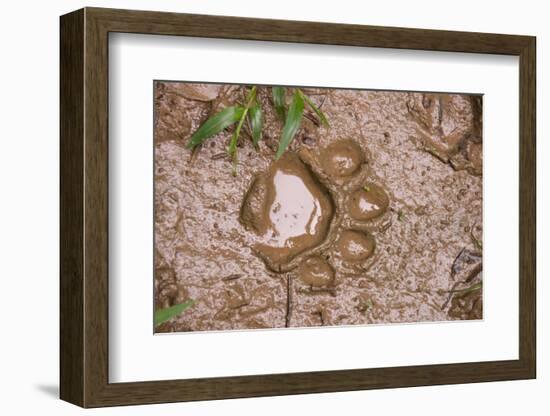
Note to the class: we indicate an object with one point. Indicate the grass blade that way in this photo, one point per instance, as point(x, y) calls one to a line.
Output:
point(215, 124)
point(256, 123)
point(163, 315)
point(292, 123)
point(232, 149)
point(279, 95)
point(317, 110)
point(472, 288)
point(477, 243)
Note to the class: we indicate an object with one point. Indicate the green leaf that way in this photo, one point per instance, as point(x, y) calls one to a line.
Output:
point(292, 123)
point(279, 95)
point(317, 110)
point(163, 315)
point(232, 149)
point(472, 288)
point(215, 124)
point(256, 123)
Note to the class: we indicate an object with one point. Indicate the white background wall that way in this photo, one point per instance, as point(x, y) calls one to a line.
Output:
point(29, 206)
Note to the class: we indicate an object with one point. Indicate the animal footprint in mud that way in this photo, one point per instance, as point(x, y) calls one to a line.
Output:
point(450, 127)
point(316, 213)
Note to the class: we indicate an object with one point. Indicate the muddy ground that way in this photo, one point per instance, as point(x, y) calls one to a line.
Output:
point(394, 238)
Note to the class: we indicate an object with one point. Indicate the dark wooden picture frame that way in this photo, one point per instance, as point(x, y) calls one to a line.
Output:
point(84, 207)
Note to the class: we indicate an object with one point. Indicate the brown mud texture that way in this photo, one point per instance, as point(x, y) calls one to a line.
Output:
point(375, 219)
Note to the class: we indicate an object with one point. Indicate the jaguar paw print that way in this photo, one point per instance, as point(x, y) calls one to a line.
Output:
point(315, 213)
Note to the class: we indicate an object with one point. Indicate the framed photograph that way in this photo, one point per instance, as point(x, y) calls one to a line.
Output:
point(256, 207)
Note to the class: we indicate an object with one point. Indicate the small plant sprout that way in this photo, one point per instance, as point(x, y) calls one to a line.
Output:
point(232, 149)
point(400, 215)
point(251, 113)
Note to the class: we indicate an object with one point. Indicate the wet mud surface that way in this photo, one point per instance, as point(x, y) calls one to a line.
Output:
point(374, 219)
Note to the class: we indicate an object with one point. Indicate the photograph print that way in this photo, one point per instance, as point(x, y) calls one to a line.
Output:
point(293, 207)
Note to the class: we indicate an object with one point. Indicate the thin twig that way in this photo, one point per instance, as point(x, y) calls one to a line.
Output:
point(231, 277)
point(218, 156)
point(312, 118)
point(453, 272)
point(320, 313)
point(324, 99)
point(313, 291)
point(453, 291)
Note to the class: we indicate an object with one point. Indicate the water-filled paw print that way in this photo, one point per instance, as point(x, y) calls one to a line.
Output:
point(315, 213)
